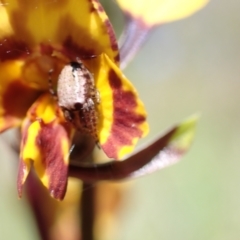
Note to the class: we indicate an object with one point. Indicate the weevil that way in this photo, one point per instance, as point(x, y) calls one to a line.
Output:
point(78, 97)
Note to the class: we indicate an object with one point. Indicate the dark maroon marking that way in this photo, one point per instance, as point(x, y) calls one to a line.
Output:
point(11, 49)
point(73, 50)
point(117, 58)
point(18, 98)
point(114, 81)
point(49, 143)
point(92, 8)
point(125, 120)
point(85, 47)
point(111, 33)
point(20, 177)
point(122, 116)
point(100, 7)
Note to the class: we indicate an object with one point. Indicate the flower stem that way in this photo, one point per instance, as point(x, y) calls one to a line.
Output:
point(87, 211)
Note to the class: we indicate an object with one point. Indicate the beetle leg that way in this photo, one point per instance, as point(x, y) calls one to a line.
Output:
point(50, 85)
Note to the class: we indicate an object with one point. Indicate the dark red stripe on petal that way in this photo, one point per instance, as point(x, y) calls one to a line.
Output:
point(10, 49)
point(111, 34)
point(20, 179)
point(117, 58)
point(126, 121)
point(73, 50)
point(17, 99)
point(49, 143)
point(100, 8)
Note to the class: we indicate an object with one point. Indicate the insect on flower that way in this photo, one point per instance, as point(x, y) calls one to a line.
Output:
point(78, 97)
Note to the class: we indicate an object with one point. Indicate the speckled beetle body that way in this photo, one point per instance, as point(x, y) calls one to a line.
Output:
point(78, 97)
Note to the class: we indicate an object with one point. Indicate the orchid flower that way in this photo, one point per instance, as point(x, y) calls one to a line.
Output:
point(37, 40)
point(40, 39)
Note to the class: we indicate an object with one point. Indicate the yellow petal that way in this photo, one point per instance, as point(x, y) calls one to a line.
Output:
point(122, 117)
point(46, 142)
point(75, 28)
point(154, 12)
point(5, 27)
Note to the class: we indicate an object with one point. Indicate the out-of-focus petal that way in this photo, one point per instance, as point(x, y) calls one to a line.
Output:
point(16, 96)
point(142, 16)
point(45, 143)
point(122, 117)
point(74, 28)
point(155, 12)
point(110, 198)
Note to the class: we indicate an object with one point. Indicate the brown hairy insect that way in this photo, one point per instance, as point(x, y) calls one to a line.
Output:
point(78, 97)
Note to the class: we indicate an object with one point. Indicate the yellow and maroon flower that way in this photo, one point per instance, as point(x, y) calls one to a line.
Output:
point(37, 38)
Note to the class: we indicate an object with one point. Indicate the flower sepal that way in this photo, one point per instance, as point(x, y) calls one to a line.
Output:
point(46, 140)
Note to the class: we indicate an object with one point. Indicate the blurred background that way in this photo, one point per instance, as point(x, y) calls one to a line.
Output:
point(187, 66)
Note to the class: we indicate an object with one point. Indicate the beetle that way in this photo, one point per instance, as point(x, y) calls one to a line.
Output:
point(78, 97)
